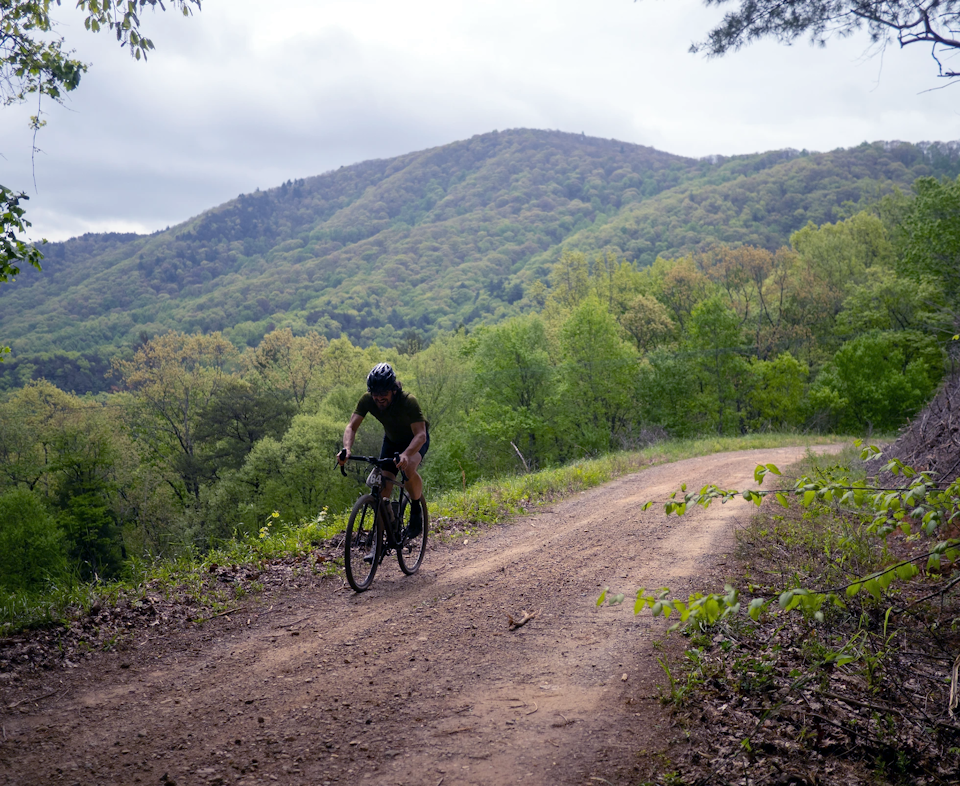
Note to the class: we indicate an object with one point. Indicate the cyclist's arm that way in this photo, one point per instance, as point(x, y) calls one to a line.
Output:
point(419, 438)
point(349, 435)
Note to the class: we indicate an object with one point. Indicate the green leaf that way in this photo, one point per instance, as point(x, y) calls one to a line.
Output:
point(782, 499)
point(603, 597)
point(757, 605)
point(907, 572)
point(642, 600)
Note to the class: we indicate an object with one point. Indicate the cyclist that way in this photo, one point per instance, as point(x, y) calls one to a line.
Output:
point(405, 429)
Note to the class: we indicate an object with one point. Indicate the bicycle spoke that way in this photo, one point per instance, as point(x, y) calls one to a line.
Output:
point(410, 554)
point(362, 546)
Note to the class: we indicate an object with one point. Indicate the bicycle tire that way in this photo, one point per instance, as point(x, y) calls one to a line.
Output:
point(410, 554)
point(363, 534)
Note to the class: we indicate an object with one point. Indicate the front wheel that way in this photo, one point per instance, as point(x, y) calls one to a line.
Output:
point(410, 554)
point(363, 544)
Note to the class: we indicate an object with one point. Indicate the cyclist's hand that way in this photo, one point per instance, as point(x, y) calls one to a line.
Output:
point(403, 462)
point(342, 456)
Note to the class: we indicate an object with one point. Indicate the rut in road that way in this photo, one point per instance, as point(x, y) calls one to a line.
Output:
point(418, 680)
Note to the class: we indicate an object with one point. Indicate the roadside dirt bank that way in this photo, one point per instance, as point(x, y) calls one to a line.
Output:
point(418, 680)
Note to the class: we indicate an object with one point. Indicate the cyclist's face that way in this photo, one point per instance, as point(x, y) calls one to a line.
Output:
point(383, 398)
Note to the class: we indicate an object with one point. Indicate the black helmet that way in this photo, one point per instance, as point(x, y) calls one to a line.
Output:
point(381, 378)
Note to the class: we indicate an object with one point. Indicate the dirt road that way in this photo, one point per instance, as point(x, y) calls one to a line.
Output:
point(418, 680)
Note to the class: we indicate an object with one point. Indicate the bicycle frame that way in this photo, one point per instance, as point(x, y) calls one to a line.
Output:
point(367, 542)
point(392, 517)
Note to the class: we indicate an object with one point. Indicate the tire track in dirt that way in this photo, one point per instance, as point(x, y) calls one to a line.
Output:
point(418, 680)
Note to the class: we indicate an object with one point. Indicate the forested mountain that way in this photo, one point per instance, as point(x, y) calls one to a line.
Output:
point(424, 242)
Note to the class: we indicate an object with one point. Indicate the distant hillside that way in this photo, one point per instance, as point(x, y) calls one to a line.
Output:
point(421, 242)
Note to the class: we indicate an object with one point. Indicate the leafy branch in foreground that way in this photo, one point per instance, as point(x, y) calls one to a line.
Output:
point(920, 508)
point(32, 62)
point(865, 679)
point(932, 22)
point(14, 252)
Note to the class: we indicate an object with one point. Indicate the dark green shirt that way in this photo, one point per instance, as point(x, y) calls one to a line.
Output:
point(397, 418)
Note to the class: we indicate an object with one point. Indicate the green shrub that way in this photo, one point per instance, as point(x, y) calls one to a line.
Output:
point(31, 543)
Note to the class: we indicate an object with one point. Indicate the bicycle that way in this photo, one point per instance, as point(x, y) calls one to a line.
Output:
point(378, 525)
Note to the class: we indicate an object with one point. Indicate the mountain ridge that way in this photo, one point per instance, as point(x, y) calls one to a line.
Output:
point(432, 239)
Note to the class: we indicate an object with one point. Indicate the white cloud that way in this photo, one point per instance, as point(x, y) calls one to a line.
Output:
point(247, 95)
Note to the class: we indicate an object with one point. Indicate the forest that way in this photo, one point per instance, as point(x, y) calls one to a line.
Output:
point(848, 328)
point(405, 249)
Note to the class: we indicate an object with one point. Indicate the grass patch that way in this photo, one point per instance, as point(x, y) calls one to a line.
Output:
point(495, 501)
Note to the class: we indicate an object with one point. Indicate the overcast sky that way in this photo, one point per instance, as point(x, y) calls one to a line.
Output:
point(247, 94)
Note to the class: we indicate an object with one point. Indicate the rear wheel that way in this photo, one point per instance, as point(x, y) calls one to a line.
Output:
point(363, 544)
point(411, 552)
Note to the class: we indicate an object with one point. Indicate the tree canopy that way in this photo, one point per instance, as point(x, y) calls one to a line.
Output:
point(32, 61)
point(934, 22)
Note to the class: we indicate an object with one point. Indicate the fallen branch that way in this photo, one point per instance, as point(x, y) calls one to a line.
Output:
point(525, 617)
point(953, 687)
point(31, 701)
point(525, 465)
point(291, 624)
point(219, 614)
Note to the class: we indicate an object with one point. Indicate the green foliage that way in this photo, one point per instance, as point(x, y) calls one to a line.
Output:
point(927, 21)
point(886, 301)
point(778, 400)
point(932, 236)
point(14, 251)
point(597, 381)
point(29, 64)
point(465, 234)
point(667, 393)
point(714, 333)
point(514, 384)
point(31, 543)
point(33, 61)
point(291, 475)
point(918, 507)
point(878, 380)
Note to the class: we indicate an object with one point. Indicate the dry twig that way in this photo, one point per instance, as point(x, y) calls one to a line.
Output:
point(31, 701)
point(525, 617)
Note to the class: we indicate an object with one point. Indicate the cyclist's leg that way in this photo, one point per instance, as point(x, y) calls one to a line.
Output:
point(414, 488)
point(389, 449)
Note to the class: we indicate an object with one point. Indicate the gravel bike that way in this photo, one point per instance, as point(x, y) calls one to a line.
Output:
point(379, 524)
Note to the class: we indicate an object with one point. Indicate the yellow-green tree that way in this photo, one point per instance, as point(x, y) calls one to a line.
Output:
point(173, 378)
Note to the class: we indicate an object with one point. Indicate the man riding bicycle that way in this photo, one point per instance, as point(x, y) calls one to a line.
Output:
point(405, 432)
